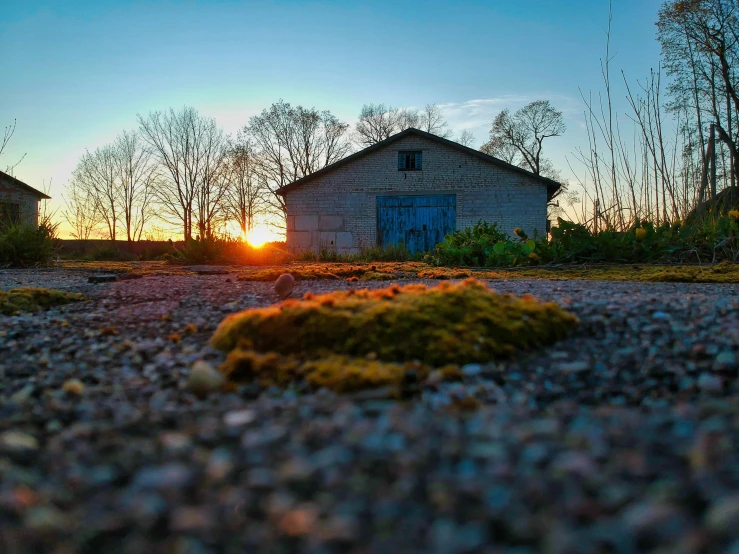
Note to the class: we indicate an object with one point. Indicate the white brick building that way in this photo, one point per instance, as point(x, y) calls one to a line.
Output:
point(18, 201)
point(413, 187)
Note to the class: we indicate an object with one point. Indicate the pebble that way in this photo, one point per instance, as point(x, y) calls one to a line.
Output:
point(18, 445)
point(725, 360)
point(284, 285)
point(73, 387)
point(471, 370)
point(723, 516)
point(710, 383)
point(204, 379)
point(573, 367)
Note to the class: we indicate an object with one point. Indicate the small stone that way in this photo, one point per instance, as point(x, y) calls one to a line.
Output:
point(203, 379)
point(710, 383)
point(172, 476)
point(471, 370)
point(17, 445)
point(284, 285)
point(574, 367)
point(23, 395)
point(238, 418)
point(660, 315)
point(73, 387)
point(340, 529)
point(102, 278)
point(175, 443)
point(187, 519)
point(723, 515)
point(45, 519)
point(298, 522)
point(725, 360)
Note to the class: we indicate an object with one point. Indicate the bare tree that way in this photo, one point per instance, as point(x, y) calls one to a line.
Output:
point(431, 120)
point(248, 189)
point(97, 175)
point(700, 46)
point(80, 211)
point(378, 122)
point(466, 138)
point(292, 142)
point(525, 132)
point(502, 150)
point(191, 150)
point(137, 175)
point(7, 135)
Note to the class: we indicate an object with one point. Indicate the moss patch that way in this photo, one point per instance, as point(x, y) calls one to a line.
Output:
point(335, 372)
point(365, 272)
point(460, 323)
point(32, 299)
point(724, 272)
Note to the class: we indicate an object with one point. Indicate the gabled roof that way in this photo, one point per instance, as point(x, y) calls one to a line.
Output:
point(552, 186)
point(20, 184)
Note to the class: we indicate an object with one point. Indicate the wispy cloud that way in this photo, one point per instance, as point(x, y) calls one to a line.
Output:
point(477, 115)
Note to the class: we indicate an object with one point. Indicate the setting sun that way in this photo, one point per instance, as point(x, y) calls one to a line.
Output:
point(259, 236)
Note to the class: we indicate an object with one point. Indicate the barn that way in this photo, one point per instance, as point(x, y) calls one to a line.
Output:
point(18, 201)
point(412, 188)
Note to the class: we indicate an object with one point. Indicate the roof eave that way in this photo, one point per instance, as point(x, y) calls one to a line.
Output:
point(40, 195)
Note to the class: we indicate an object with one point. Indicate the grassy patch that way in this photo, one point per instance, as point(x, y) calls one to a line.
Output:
point(32, 299)
point(446, 324)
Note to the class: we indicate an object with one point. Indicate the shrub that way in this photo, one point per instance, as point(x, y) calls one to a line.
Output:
point(28, 246)
point(711, 238)
point(110, 254)
point(389, 253)
point(472, 246)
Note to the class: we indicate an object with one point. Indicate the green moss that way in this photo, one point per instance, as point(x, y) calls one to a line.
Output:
point(32, 299)
point(377, 276)
point(444, 273)
point(447, 324)
point(723, 272)
point(335, 372)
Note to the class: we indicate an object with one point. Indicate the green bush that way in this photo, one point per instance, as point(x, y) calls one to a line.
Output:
point(711, 238)
point(28, 246)
point(110, 254)
point(389, 253)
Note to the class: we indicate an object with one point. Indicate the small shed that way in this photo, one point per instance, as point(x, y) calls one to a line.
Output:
point(18, 201)
point(412, 188)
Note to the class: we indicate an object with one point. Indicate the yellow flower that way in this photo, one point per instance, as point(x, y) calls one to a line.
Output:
point(518, 231)
point(641, 233)
point(533, 257)
point(734, 214)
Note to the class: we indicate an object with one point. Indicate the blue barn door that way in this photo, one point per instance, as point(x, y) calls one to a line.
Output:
point(419, 222)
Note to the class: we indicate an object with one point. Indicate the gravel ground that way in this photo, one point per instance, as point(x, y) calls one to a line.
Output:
point(623, 438)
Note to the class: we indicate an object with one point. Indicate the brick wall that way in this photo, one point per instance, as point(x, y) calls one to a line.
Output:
point(13, 194)
point(341, 207)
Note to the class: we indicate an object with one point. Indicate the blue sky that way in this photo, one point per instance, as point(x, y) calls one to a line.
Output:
point(75, 73)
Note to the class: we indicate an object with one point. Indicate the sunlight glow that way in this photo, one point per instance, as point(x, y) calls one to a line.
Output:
point(259, 236)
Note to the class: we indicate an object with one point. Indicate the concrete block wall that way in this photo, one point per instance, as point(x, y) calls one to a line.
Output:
point(13, 194)
point(339, 209)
